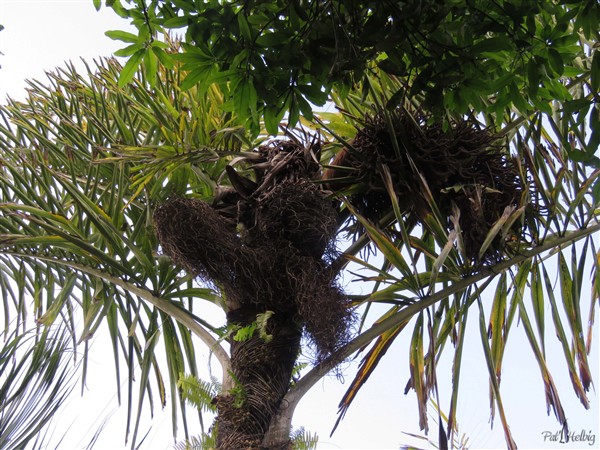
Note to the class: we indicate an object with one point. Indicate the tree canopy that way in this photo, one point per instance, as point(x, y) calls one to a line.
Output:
point(278, 57)
point(462, 154)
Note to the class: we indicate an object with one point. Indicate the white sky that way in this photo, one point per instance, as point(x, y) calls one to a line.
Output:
point(40, 35)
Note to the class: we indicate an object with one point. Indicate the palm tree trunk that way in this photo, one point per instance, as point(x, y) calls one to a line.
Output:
point(262, 372)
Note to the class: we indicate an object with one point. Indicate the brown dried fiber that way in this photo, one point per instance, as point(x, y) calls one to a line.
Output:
point(463, 166)
point(277, 262)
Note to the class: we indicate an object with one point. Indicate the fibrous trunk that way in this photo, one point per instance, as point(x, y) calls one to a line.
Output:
point(262, 372)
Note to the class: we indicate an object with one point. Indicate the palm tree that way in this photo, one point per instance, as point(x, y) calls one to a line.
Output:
point(515, 258)
point(115, 199)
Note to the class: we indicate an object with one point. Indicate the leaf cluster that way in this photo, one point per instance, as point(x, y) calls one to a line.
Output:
point(273, 58)
point(245, 333)
point(199, 393)
point(421, 278)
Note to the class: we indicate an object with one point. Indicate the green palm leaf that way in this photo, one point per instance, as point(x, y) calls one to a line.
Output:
point(562, 203)
point(36, 377)
point(83, 162)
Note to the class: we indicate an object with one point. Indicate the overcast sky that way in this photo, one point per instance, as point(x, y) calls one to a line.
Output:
point(41, 35)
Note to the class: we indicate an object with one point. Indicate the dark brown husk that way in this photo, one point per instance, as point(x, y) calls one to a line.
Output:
point(463, 167)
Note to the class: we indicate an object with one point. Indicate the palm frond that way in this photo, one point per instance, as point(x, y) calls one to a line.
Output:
point(83, 162)
point(303, 439)
point(429, 268)
point(36, 377)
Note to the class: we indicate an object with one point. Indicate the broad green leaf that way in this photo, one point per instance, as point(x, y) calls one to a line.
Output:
point(258, 19)
point(163, 57)
point(556, 61)
point(176, 22)
point(305, 107)
point(273, 38)
point(533, 77)
point(584, 157)
point(186, 5)
point(122, 36)
point(313, 94)
point(131, 67)
point(196, 76)
point(151, 67)
point(273, 116)
point(130, 50)
point(596, 191)
point(595, 71)
point(493, 44)
point(244, 26)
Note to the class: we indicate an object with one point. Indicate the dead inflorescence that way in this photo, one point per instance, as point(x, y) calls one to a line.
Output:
point(285, 160)
point(194, 235)
point(463, 171)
